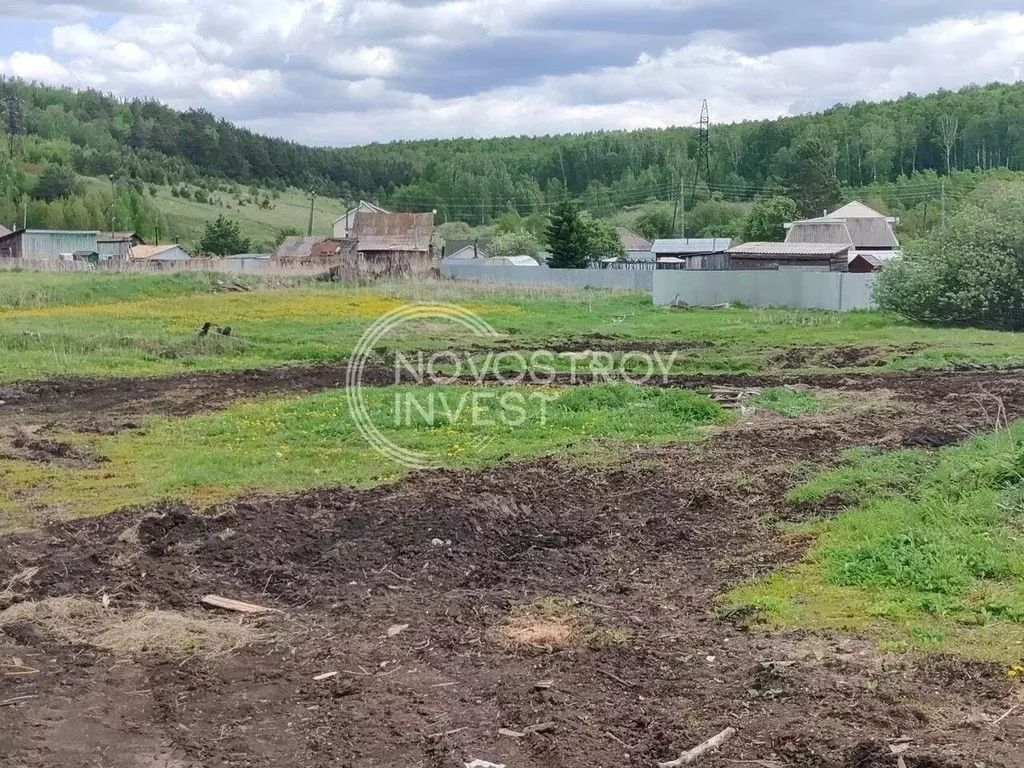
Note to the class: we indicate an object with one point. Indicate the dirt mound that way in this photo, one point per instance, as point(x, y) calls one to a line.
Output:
point(25, 444)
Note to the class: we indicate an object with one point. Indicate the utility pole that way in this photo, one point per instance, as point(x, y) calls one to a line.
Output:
point(312, 197)
point(113, 206)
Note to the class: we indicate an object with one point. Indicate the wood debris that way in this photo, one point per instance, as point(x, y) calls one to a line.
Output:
point(227, 604)
point(700, 750)
point(397, 629)
point(325, 676)
point(15, 700)
point(539, 727)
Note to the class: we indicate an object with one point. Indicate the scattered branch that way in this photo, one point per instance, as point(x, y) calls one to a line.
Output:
point(700, 750)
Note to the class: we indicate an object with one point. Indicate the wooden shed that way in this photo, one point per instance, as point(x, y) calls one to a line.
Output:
point(826, 257)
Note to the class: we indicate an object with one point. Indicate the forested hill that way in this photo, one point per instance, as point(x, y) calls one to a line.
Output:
point(476, 180)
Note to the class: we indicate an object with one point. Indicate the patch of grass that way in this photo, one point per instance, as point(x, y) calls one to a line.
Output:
point(932, 549)
point(788, 402)
point(866, 473)
point(113, 332)
point(279, 445)
point(34, 290)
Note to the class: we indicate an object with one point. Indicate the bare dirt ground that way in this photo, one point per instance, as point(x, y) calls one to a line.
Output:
point(455, 604)
point(109, 405)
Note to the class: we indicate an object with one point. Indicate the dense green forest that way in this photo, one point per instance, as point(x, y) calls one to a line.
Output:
point(901, 151)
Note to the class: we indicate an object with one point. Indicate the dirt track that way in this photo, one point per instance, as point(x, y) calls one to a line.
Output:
point(112, 404)
point(639, 670)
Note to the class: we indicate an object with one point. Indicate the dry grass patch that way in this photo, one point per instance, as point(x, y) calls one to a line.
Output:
point(554, 622)
point(81, 621)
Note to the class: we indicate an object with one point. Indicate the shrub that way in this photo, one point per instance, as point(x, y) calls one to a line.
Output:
point(971, 273)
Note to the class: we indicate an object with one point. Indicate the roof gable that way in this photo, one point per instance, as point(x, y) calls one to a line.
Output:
point(856, 210)
point(364, 207)
point(633, 241)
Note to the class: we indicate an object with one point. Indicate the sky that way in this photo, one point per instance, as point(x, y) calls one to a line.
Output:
point(344, 72)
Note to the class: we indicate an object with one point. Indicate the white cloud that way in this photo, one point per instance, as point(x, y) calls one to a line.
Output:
point(34, 66)
point(659, 91)
point(351, 71)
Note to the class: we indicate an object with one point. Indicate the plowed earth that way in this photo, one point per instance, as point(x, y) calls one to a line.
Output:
point(455, 604)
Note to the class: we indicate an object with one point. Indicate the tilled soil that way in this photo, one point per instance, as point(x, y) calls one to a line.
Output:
point(408, 593)
point(110, 405)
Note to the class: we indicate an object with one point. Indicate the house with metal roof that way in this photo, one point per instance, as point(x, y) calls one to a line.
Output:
point(313, 251)
point(690, 246)
point(345, 224)
point(825, 257)
point(692, 252)
point(117, 245)
point(638, 247)
point(471, 251)
point(154, 254)
point(870, 233)
point(45, 244)
point(4, 231)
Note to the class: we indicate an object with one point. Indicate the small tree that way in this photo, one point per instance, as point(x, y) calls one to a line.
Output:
point(223, 237)
point(767, 217)
point(514, 244)
point(603, 242)
point(969, 274)
point(655, 222)
point(567, 238)
point(56, 182)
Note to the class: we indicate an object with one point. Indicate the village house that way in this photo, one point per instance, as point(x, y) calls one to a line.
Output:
point(46, 244)
point(345, 224)
point(869, 234)
point(460, 250)
point(692, 252)
point(638, 247)
point(822, 257)
point(394, 244)
point(314, 251)
point(158, 254)
point(117, 245)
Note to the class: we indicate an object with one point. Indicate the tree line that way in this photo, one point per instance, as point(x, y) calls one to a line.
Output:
point(478, 180)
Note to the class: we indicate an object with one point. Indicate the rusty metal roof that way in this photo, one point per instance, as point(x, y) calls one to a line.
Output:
point(393, 231)
point(319, 248)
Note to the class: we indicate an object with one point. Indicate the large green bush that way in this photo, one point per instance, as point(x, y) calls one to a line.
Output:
point(971, 273)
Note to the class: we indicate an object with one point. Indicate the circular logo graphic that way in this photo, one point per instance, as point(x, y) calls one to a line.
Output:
point(381, 329)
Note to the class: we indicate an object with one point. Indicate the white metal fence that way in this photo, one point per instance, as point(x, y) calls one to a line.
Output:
point(796, 288)
point(639, 281)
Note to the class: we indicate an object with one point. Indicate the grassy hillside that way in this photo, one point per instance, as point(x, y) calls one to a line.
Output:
point(187, 218)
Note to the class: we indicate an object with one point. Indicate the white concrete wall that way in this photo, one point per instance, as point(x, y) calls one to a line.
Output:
point(614, 279)
point(796, 288)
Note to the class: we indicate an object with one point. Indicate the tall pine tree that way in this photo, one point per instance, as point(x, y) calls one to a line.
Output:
point(567, 237)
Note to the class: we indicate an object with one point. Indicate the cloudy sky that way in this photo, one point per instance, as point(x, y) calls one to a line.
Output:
point(343, 72)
